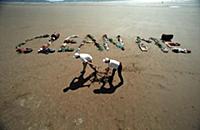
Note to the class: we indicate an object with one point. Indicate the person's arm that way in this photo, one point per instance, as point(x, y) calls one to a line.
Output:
point(107, 70)
point(92, 65)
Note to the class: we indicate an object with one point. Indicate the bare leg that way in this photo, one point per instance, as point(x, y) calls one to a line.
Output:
point(111, 77)
point(93, 67)
point(84, 67)
point(120, 73)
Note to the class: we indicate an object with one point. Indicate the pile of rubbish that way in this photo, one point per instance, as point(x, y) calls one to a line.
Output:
point(44, 48)
point(165, 44)
point(65, 46)
point(26, 50)
point(69, 40)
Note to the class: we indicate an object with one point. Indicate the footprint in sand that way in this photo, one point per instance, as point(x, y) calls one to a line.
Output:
point(22, 102)
point(27, 100)
point(132, 68)
point(78, 121)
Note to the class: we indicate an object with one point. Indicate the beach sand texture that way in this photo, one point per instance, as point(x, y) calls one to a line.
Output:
point(161, 91)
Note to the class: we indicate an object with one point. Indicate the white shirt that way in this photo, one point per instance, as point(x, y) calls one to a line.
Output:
point(113, 64)
point(85, 57)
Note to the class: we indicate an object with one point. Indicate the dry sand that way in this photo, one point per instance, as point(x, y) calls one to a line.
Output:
point(161, 91)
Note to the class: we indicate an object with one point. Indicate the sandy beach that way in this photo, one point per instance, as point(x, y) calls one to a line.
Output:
point(161, 91)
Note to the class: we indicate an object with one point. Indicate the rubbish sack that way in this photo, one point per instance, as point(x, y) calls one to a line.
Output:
point(167, 37)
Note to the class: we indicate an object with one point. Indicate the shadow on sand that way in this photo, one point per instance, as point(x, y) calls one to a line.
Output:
point(109, 90)
point(80, 82)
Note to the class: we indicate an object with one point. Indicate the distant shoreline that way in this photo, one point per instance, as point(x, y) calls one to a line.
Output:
point(107, 3)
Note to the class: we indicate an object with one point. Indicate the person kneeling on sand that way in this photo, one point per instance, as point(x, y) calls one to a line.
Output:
point(86, 59)
point(115, 66)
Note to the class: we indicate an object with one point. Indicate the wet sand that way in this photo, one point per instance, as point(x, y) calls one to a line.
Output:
point(161, 91)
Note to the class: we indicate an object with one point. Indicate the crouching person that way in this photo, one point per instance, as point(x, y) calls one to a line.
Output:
point(115, 66)
point(86, 59)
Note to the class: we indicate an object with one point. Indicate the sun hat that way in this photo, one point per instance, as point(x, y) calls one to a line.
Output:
point(76, 55)
point(106, 60)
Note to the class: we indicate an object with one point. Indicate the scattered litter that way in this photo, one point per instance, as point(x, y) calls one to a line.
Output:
point(24, 50)
point(117, 44)
point(120, 43)
point(180, 50)
point(164, 42)
point(141, 45)
point(45, 49)
point(20, 49)
point(167, 39)
point(70, 39)
point(159, 44)
point(105, 42)
point(66, 49)
point(91, 37)
point(54, 36)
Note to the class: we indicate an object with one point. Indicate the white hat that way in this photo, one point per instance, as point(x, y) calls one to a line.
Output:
point(106, 60)
point(76, 55)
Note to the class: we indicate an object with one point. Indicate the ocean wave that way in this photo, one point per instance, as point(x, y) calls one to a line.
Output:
point(174, 6)
point(55, 0)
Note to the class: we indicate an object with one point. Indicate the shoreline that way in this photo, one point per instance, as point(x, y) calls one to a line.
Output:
point(108, 3)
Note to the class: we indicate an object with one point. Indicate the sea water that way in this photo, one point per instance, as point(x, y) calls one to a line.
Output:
point(125, 1)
